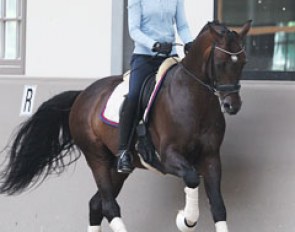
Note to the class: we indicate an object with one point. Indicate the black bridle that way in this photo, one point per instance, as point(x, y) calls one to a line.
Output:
point(213, 86)
point(222, 88)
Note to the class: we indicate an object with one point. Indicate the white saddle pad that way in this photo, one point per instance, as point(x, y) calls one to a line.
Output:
point(111, 112)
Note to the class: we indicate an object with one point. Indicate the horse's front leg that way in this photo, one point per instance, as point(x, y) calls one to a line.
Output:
point(211, 171)
point(177, 165)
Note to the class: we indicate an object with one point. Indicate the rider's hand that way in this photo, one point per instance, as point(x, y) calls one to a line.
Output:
point(162, 48)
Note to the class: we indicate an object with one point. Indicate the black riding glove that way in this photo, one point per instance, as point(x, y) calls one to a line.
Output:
point(162, 48)
point(187, 47)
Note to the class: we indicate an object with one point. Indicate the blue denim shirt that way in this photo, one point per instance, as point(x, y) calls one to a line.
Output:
point(152, 21)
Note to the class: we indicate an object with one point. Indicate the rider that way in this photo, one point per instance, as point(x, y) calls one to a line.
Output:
point(151, 27)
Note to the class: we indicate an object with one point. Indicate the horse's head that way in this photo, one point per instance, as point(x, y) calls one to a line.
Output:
point(221, 58)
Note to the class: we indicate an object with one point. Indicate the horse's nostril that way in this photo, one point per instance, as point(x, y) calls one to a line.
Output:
point(226, 105)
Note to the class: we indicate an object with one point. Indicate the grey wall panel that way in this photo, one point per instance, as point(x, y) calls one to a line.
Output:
point(258, 172)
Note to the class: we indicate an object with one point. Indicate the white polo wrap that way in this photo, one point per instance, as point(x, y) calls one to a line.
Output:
point(191, 209)
point(94, 229)
point(221, 226)
point(117, 225)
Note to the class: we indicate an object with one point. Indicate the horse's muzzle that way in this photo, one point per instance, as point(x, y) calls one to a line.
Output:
point(231, 104)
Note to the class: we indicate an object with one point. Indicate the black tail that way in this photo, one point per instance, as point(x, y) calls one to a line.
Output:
point(40, 145)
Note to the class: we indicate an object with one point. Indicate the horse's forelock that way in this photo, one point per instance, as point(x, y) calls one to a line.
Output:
point(222, 27)
point(232, 36)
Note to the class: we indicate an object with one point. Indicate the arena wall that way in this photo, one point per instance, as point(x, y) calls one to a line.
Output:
point(68, 46)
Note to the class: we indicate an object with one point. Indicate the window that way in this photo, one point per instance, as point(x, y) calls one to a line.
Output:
point(271, 42)
point(12, 46)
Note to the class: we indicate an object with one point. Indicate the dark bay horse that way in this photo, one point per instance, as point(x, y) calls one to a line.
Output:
point(186, 125)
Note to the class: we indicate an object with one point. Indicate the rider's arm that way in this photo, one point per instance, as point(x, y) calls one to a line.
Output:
point(134, 21)
point(181, 23)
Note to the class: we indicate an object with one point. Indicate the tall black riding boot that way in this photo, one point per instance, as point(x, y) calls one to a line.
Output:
point(125, 157)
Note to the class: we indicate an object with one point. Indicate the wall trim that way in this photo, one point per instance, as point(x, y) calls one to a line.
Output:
point(12, 78)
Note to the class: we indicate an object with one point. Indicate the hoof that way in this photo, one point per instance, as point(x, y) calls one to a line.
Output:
point(182, 224)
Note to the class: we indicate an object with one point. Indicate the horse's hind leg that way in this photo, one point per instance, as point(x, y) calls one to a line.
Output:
point(95, 204)
point(212, 179)
point(103, 203)
point(95, 213)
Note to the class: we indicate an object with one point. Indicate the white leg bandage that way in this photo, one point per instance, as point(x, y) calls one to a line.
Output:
point(94, 229)
point(117, 225)
point(221, 226)
point(191, 209)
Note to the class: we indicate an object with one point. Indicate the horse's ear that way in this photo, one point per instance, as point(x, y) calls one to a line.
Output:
point(216, 35)
point(245, 29)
